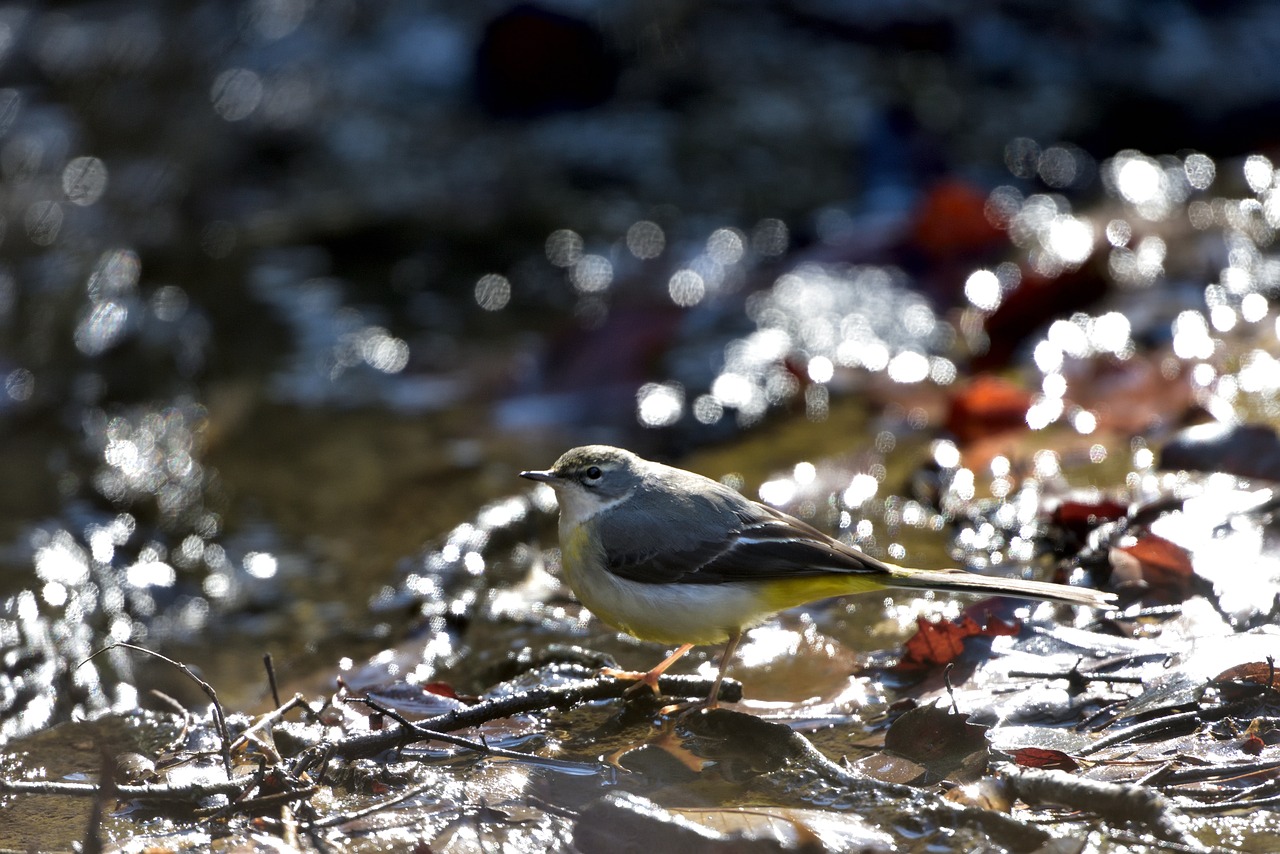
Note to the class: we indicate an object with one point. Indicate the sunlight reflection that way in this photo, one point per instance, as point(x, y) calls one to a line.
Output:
point(659, 405)
point(493, 292)
point(686, 288)
point(645, 240)
point(564, 247)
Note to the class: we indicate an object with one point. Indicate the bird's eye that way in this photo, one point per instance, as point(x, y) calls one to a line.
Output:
point(594, 473)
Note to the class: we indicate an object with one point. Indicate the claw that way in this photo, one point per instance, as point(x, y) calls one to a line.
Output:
point(641, 680)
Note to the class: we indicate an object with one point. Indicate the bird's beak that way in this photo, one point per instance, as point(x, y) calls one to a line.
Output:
point(542, 476)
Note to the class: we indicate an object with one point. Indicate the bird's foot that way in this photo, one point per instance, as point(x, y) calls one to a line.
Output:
point(681, 710)
point(641, 680)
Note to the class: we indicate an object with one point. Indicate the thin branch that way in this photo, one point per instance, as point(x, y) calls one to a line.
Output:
point(533, 700)
point(342, 818)
point(270, 667)
point(219, 718)
point(269, 718)
point(139, 791)
point(484, 748)
point(1163, 723)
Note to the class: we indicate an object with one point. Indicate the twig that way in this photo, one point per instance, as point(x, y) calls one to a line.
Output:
point(1232, 806)
point(1116, 802)
point(1223, 773)
point(176, 741)
point(535, 699)
point(343, 818)
point(139, 791)
point(813, 758)
point(271, 677)
point(1159, 724)
point(951, 690)
point(269, 718)
point(426, 734)
point(219, 719)
point(260, 803)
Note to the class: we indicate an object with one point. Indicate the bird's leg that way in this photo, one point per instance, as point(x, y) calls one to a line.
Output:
point(651, 678)
point(713, 699)
point(729, 649)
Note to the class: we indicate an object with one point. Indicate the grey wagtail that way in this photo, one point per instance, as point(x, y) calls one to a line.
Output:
point(671, 556)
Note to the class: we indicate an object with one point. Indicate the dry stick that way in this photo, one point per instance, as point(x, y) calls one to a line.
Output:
point(181, 710)
point(343, 818)
point(479, 747)
point(1159, 724)
point(219, 719)
point(1233, 806)
point(533, 700)
point(270, 718)
point(271, 677)
point(1117, 802)
point(369, 744)
point(260, 803)
point(1223, 773)
point(154, 791)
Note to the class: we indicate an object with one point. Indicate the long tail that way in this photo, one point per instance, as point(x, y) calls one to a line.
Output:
point(959, 581)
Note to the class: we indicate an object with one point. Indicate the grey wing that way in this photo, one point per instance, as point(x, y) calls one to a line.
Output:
point(753, 543)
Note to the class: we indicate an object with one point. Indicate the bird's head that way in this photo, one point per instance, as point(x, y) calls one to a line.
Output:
point(590, 479)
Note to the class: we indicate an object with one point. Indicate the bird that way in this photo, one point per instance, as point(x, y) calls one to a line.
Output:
point(670, 556)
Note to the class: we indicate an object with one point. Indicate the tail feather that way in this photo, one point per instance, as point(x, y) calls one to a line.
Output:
point(959, 581)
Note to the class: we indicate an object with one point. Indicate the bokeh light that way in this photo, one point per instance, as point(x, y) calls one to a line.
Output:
point(493, 292)
point(645, 240)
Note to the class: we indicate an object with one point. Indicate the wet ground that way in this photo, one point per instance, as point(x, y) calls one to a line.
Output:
point(290, 291)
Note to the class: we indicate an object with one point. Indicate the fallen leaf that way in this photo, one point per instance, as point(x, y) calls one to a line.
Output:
point(1035, 302)
point(1162, 567)
point(1245, 680)
point(942, 741)
point(951, 221)
point(622, 821)
point(1080, 517)
point(989, 793)
point(937, 644)
point(1038, 757)
point(987, 405)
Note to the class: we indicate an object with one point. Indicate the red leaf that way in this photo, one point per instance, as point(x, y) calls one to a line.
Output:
point(1081, 517)
point(1039, 757)
point(444, 689)
point(951, 221)
point(937, 644)
point(987, 405)
point(1246, 680)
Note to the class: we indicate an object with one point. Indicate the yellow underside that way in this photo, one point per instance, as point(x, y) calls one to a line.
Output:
point(790, 592)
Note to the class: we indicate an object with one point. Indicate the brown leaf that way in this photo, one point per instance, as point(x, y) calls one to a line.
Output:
point(941, 740)
point(1163, 567)
point(1128, 396)
point(1245, 680)
point(937, 644)
point(1039, 757)
point(443, 689)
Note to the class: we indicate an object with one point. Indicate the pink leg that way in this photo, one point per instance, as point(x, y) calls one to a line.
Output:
point(651, 678)
point(729, 649)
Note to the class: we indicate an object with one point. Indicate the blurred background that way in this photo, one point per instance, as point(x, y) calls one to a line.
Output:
point(291, 288)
